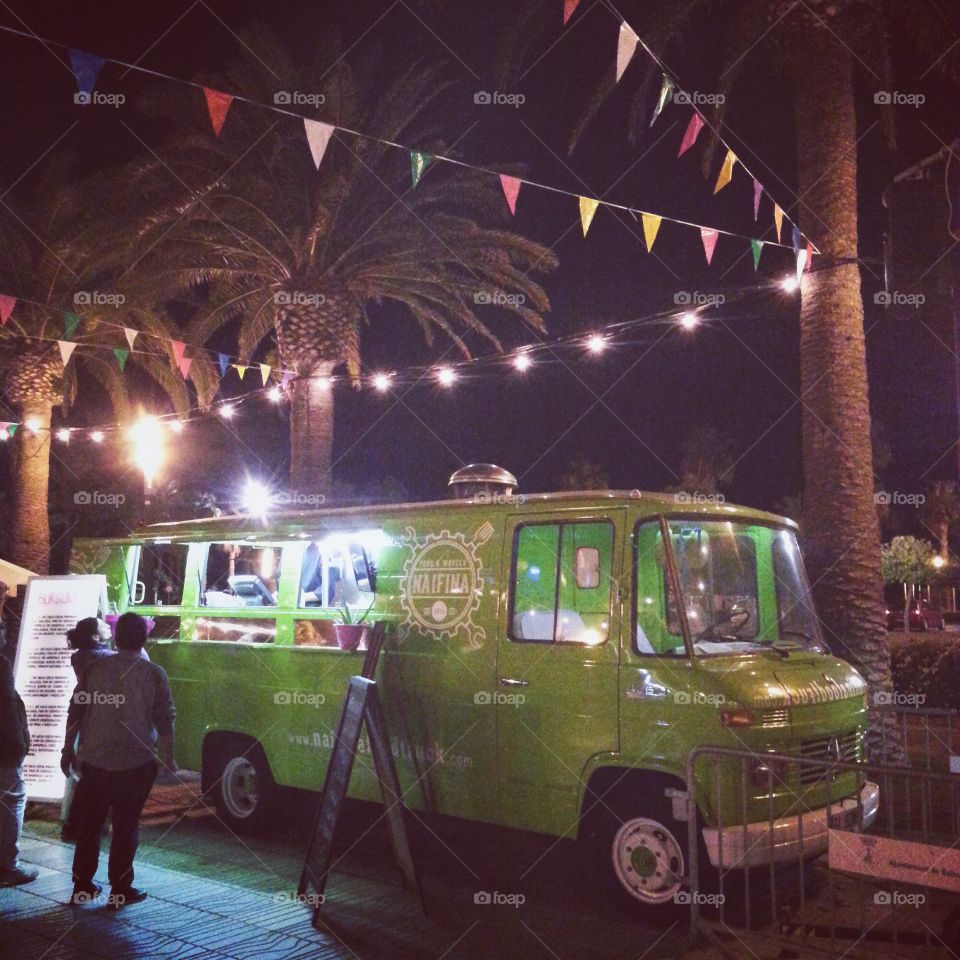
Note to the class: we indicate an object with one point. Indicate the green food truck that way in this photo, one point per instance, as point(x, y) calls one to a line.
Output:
point(550, 661)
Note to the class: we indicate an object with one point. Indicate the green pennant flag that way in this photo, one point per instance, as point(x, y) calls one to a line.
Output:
point(418, 163)
point(756, 246)
point(121, 356)
point(666, 91)
point(12, 429)
point(70, 321)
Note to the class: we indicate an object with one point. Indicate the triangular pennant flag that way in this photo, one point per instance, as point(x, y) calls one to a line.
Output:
point(86, 68)
point(12, 429)
point(726, 171)
point(66, 350)
point(318, 136)
point(778, 220)
point(511, 190)
point(265, 372)
point(709, 238)
point(418, 163)
point(651, 224)
point(224, 363)
point(588, 207)
point(693, 131)
point(809, 254)
point(241, 369)
point(131, 335)
point(757, 247)
point(626, 46)
point(8, 429)
point(667, 87)
point(121, 356)
point(568, 7)
point(184, 365)
point(757, 191)
point(801, 263)
point(795, 239)
point(178, 347)
point(70, 321)
point(218, 103)
point(6, 307)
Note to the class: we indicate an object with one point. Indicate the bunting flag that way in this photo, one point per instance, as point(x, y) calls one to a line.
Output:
point(667, 86)
point(778, 220)
point(709, 238)
point(265, 372)
point(178, 347)
point(66, 350)
point(184, 365)
point(651, 224)
point(7, 429)
point(121, 356)
point(218, 103)
point(224, 362)
point(693, 131)
point(70, 321)
point(809, 254)
point(511, 190)
point(131, 335)
point(86, 68)
point(626, 47)
point(241, 369)
point(795, 239)
point(318, 136)
point(568, 7)
point(757, 191)
point(757, 247)
point(418, 163)
point(588, 207)
point(6, 307)
point(801, 262)
point(726, 171)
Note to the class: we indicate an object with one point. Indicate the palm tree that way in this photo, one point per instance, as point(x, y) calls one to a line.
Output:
point(708, 461)
point(940, 511)
point(44, 262)
point(582, 473)
point(298, 256)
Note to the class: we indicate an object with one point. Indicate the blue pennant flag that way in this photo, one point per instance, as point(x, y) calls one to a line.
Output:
point(86, 68)
point(796, 240)
point(224, 363)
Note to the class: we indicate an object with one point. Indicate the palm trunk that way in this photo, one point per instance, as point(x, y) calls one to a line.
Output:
point(311, 433)
point(30, 537)
point(945, 541)
point(842, 533)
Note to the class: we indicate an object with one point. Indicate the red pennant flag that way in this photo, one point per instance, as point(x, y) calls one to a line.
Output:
point(693, 131)
point(757, 191)
point(709, 238)
point(809, 255)
point(568, 7)
point(178, 349)
point(6, 307)
point(511, 190)
point(217, 105)
point(184, 365)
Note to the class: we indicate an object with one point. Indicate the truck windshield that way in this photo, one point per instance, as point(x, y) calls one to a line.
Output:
point(743, 588)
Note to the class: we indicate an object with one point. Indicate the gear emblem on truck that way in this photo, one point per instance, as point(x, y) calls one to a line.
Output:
point(442, 585)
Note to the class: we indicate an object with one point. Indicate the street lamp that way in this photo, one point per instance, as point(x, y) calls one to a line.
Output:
point(147, 436)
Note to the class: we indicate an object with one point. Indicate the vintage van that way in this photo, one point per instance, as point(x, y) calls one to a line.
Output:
point(551, 660)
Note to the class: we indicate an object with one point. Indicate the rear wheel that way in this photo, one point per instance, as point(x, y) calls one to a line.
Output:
point(243, 789)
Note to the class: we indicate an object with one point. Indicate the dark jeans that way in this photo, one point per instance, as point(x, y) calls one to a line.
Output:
point(100, 791)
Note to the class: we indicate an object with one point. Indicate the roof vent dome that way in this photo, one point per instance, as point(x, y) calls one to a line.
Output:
point(484, 479)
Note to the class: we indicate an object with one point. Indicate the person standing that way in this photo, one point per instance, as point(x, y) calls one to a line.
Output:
point(124, 714)
point(14, 746)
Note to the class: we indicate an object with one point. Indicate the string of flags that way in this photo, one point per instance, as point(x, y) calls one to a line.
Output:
point(87, 67)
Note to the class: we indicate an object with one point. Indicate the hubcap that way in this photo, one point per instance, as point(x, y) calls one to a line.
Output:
point(648, 860)
point(240, 787)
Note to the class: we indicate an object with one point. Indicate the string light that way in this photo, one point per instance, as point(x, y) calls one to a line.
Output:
point(381, 382)
point(789, 283)
point(275, 394)
point(33, 425)
point(227, 411)
point(97, 436)
point(63, 434)
point(522, 362)
point(446, 376)
point(689, 321)
point(176, 426)
point(596, 344)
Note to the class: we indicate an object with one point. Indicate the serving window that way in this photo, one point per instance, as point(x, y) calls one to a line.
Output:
point(241, 575)
point(161, 571)
point(340, 570)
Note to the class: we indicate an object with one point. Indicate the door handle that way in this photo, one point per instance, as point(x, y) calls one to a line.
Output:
point(510, 682)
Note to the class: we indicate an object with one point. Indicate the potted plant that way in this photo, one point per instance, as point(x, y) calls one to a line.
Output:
point(350, 628)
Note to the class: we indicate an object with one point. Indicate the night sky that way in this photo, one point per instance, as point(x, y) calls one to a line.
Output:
point(629, 410)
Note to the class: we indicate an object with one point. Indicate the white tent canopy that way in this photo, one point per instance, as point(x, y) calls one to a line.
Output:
point(13, 576)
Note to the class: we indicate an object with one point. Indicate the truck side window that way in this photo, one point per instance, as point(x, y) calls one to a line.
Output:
point(561, 585)
point(241, 575)
point(161, 570)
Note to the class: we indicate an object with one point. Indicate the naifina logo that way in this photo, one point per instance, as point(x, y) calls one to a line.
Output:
point(442, 586)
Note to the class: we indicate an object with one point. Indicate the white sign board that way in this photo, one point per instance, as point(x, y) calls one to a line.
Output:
point(42, 672)
point(883, 858)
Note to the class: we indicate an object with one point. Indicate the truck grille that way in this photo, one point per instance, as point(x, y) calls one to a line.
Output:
point(847, 745)
point(779, 717)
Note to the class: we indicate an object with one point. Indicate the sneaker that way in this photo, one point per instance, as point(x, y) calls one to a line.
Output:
point(85, 893)
point(16, 876)
point(123, 898)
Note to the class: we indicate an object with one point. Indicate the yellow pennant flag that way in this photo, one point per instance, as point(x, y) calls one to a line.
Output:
point(265, 372)
point(241, 369)
point(778, 220)
point(588, 207)
point(651, 224)
point(726, 171)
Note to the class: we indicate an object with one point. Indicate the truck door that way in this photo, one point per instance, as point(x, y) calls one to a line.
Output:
point(557, 662)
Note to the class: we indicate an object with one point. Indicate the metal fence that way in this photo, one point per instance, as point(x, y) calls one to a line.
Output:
point(824, 851)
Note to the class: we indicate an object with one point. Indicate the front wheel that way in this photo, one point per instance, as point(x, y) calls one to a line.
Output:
point(242, 786)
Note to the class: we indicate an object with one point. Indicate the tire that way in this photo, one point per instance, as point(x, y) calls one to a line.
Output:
point(242, 786)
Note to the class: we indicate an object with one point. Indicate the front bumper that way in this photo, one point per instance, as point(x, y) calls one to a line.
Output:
point(765, 842)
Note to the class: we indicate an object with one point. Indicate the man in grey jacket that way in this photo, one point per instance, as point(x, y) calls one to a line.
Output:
point(123, 712)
